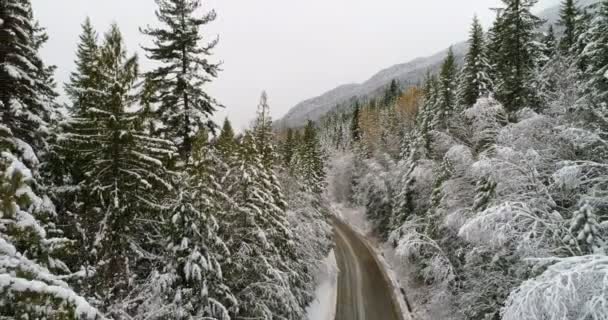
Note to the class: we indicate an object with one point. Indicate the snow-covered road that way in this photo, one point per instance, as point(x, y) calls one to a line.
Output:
point(363, 292)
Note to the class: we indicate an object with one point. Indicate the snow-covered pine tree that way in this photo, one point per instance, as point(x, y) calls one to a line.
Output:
point(226, 141)
point(31, 272)
point(595, 55)
point(515, 54)
point(28, 288)
point(123, 167)
point(310, 160)
point(585, 235)
point(22, 74)
point(425, 118)
point(568, 19)
point(184, 107)
point(475, 79)
point(257, 234)
point(447, 91)
point(355, 126)
point(262, 130)
point(549, 45)
point(288, 148)
point(190, 283)
point(84, 82)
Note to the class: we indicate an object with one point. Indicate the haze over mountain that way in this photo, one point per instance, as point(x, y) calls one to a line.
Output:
point(409, 73)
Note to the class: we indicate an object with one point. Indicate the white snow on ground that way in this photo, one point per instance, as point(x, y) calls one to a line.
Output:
point(326, 295)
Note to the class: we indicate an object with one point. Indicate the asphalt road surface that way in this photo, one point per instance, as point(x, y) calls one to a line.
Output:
point(363, 293)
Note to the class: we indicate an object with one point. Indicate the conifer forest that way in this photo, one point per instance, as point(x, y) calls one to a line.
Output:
point(475, 187)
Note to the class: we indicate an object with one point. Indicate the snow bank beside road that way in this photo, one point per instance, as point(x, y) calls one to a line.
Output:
point(326, 295)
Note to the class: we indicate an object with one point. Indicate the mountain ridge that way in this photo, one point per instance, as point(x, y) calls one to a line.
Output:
point(408, 73)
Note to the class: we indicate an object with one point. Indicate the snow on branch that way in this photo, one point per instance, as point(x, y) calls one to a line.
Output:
point(573, 288)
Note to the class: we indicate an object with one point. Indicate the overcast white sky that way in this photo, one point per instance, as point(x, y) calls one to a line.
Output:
point(294, 49)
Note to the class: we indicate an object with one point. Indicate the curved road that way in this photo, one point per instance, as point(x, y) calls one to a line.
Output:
point(363, 292)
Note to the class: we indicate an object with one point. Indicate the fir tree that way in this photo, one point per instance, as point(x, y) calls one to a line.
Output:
point(289, 147)
point(123, 166)
point(515, 55)
point(355, 129)
point(183, 105)
point(596, 57)
point(550, 47)
point(258, 237)
point(84, 82)
point(568, 19)
point(475, 79)
point(25, 110)
point(263, 132)
point(226, 142)
point(446, 98)
point(191, 282)
point(309, 162)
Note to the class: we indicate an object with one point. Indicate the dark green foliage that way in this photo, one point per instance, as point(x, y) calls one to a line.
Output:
point(184, 107)
point(85, 80)
point(475, 79)
point(446, 95)
point(226, 142)
point(515, 55)
point(568, 19)
point(355, 130)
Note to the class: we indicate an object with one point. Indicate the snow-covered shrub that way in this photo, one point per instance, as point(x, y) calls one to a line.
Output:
point(572, 288)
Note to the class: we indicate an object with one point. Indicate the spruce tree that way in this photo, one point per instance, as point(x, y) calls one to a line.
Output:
point(190, 283)
point(84, 82)
point(596, 57)
point(22, 75)
point(123, 167)
point(309, 164)
point(355, 129)
point(289, 147)
point(183, 106)
point(568, 19)
point(446, 98)
point(263, 132)
point(516, 55)
point(475, 79)
point(226, 143)
point(258, 237)
point(31, 268)
point(550, 47)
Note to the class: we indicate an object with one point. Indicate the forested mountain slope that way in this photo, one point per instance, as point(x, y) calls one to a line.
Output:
point(407, 74)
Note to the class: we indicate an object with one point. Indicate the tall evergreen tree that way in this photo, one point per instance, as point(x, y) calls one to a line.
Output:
point(355, 128)
point(289, 147)
point(446, 99)
point(550, 46)
point(226, 143)
point(31, 272)
point(124, 170)
point(475, 79)
point(84, 82)
point(596, 57)
point(258, 238)
point(568, 19)
point(310, 165)
point(263, 132)
point(183, 105)
point(516, 54)
point(24, 111)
